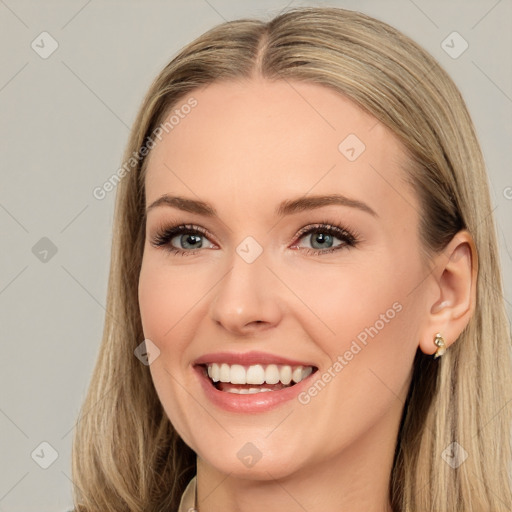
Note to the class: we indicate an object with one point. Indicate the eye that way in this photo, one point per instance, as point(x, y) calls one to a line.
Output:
point(322, 238)
point(187, 239)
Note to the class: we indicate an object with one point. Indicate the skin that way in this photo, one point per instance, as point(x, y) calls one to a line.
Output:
point(244, 148)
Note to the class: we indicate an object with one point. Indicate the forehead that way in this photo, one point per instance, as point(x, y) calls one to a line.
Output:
point(260, 142)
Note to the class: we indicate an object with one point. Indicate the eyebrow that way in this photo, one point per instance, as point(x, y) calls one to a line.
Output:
point(287, 207)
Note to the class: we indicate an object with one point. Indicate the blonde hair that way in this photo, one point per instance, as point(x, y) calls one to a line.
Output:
point(126, 454)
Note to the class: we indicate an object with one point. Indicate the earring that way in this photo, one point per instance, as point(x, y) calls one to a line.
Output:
point(440, 343)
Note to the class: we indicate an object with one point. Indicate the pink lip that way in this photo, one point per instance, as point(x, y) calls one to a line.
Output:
point(248, 358)
point(248, 403)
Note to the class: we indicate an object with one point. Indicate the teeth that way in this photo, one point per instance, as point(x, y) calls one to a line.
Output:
point(238, 374)
point(297, 374)
point(272, 374)
point(213, 372)
point(224, 373)
point(257, 374)
point(285, 374)
point(242, 391)
point(306, 372)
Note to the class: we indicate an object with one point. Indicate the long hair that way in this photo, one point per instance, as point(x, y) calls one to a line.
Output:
point(126, 454)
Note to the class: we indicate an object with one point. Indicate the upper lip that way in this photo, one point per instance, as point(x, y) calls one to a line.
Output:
point(248, 358)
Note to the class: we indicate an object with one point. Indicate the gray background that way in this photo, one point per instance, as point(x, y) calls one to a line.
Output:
point(64, 124)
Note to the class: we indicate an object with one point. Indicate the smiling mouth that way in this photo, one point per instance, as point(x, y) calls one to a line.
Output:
point(257, 378)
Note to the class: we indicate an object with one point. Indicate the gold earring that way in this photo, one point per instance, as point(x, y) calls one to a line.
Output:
point(440, 343)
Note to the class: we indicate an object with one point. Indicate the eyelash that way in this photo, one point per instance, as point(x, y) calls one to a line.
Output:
point(349, 237)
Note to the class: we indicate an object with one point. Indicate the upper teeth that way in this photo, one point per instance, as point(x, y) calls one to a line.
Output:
point(257, 374)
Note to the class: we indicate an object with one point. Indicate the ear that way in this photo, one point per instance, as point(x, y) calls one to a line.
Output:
point(451, 295)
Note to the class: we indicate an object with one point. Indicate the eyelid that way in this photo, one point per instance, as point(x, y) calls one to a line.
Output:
point(329, 227)
point(347, 236)
point(164, 234)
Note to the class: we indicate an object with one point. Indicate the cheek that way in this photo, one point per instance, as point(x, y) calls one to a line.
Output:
point(346, 300)
point(371, 345)
point(366, 315)
point(166, 296)
point(164, 301)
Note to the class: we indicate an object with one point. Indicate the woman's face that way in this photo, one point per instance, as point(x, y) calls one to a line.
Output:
point(333, 286)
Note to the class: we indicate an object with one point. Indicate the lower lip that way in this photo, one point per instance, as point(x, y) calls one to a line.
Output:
point(249, 403)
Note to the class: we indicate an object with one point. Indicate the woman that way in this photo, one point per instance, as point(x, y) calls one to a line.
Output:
point(335, 337)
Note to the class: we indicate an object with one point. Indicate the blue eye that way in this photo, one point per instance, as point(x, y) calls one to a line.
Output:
point(189, 239)
point(188, 236)
point(325, 234)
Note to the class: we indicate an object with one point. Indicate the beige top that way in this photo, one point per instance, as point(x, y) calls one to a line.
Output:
point(188, 498)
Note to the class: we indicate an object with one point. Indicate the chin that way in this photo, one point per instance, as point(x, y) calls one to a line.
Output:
point(258, 460)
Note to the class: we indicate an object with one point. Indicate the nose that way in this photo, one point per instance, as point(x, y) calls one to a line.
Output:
point(247, 298)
